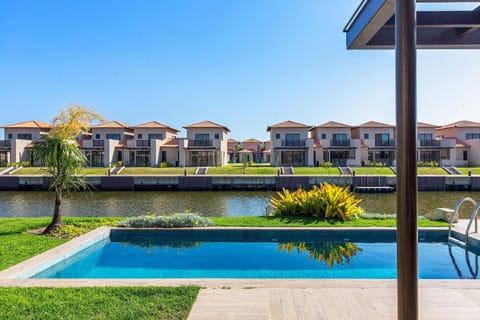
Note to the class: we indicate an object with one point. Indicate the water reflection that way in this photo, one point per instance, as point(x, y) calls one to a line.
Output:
point(216, 203)
point(472, 270)
point(330, 253)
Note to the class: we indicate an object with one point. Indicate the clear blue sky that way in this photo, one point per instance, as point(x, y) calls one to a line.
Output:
point(245, 64)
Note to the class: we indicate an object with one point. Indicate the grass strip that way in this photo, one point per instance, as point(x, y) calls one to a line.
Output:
point(97, 303)
point(295, 221)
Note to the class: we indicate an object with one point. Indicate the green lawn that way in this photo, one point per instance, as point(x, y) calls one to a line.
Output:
point(43, 171)
point(237, 169)
point(263, 221)
point(97, 303)
point(156, 171)
point(381, 171)
point(431, 171)
point(316, 170)
point(475, 171)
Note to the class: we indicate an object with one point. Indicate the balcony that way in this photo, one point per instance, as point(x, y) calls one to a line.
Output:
point(385, 144)
point(200, 143)
point(294, 143)
point(340, 143)
point(98, 143)
point(5, 143)
point(430, 143)
point(142, 143)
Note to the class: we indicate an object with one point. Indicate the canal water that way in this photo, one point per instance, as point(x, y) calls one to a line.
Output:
point(216, 203)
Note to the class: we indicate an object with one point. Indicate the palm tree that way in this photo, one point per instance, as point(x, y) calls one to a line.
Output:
point(59, 152)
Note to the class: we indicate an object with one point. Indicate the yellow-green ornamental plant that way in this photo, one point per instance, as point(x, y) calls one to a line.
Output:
point(327, 201)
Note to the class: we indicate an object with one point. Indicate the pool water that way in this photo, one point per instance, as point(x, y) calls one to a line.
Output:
point(259, 259)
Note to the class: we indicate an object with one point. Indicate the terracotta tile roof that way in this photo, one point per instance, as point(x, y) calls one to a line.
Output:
point(288, 124)
point(375, 124)
point(29, 124)
point(206, 124)
point(155, 125)
point(426, 125)
point(333, 124)
point(252, 140)
point(171, 143)
point(363, 144)
point(246, 151)
point(316, 143)
point(230, 140)
point(461, 124)
point(461, 144)
point(111, 124)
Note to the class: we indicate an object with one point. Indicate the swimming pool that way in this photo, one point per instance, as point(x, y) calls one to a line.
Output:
point(260, 253)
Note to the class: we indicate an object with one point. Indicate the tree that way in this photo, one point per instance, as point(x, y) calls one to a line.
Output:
point(59, 152)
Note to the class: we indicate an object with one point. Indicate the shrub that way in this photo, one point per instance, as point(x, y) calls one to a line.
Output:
point(326, 164)
point(327, 201)
point(427, 164)
point(375, 164)
point(118, 164)
point(13, 164)
point(25, 164)
point(330, 253)
point(176, 220)
point(165, 164)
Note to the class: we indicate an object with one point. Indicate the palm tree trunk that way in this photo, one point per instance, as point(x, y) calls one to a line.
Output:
point(57, 212)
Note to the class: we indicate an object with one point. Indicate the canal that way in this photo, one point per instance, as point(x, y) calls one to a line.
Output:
point(233, 203)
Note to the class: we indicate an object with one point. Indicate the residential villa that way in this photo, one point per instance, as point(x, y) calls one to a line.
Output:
point(466, 137)
point(333, 142)
point(248, 150)
point(18, 140)
point(377, 142)
point(291, 144)
point(206, 145)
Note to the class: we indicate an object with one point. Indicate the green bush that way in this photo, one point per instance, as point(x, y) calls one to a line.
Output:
point(118, 164)
point(427, 164)
point(25, 164)
point(327, 201)
point(330, 253)
point(165, 164)
point(13, 164)
point(326, 164)
point(375, 164)
point(176, 220)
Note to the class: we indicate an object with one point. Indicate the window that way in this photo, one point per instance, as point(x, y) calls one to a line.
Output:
point(113, 136)
point(277, 135)
point(425, 137)
point(383, 139)
point(97, 136)
point(24, 136)
point(324, 136)
point(465, 155)
point(366, 136)
point(217, 136)
point(202, 137)
point(140, 136)
point(10, 136)
point(470, 136)
point(155, 136)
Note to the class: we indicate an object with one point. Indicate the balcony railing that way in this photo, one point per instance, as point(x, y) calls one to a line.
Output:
point(98, 143)
point(294, 143)
point(5, 143)
point(143, 143)
point(340, 143)
point(200, 143)
point(429, 143)
point(389, 143)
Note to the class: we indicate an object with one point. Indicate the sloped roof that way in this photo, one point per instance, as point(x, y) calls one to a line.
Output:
point(35, 124)
point(375, 124)
point(288, 124)
point(426, 125)
point(155, 125)
point(333, 124)
point(461, 124)
point(206, 124)
point(171, 143)
point(230, 140)
point(111, 124)
point(252, 140)
point(461, 144)
point(316, 143)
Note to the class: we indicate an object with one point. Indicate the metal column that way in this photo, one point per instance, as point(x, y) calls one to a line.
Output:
point(407, 233)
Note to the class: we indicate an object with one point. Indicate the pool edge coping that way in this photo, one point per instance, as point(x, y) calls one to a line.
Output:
point(19, 274)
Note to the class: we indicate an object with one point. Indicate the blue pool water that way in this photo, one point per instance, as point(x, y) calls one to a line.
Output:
point(165, 258)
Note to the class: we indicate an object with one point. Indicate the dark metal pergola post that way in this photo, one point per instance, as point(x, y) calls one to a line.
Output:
point(406, 114)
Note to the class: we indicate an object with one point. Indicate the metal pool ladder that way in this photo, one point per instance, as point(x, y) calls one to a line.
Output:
point(473, 217)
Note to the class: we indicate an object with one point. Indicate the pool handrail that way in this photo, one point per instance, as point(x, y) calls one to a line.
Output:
point(456, 212)
point(473, 216)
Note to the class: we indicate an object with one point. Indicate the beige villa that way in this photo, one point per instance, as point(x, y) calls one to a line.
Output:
point(465, 145)
point(206, 145)
point(377, 142)
point(291, 144)
point(18, 140)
